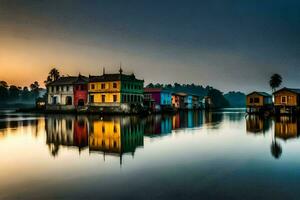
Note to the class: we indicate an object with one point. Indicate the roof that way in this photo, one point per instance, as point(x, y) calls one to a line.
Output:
point(69, 80)
point(113, 77)
point(81, 80)
point(260, 93)
point(152, 90)
point(294, 90)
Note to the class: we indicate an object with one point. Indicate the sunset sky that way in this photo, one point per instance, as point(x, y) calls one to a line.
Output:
point(231, 45)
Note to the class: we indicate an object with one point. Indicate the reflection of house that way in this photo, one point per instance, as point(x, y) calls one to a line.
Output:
point(258, 102)
point(286, 127)
point(156, 125)
point(157, 98)
point(115, 90)
point(66, 131)
point(115, 136)
point(287, 100)
point(61, 93)
point(257, 124)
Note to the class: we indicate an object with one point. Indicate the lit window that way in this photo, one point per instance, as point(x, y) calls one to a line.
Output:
point(283, 99)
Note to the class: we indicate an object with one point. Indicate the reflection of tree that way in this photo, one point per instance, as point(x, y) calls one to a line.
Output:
point(53, 148)
point(276, 149)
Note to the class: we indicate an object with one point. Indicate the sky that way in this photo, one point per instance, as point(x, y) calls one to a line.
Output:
point(228, 44)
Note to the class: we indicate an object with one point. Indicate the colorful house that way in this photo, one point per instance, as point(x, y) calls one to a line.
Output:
point(188, 102)
point(157, 98)
point(257, 102)
point(178, 100)
point(287, 101)
point(115, 91)
point(80, 91)
point(61, 94)
point(67, 93)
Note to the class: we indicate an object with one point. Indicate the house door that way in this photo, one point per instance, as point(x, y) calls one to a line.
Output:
point(80, 102)
point(54, 100)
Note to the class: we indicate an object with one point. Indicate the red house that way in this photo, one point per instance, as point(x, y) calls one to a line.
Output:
point(80, 91)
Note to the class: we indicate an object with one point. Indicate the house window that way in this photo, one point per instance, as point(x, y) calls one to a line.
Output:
point(256, 100)
point(103, 129)
point(115, 129)
point(67, 88)
point(103, 98)
point(114, 85)
point(92, 98)
point(103, 86)
point(92, 86)
point(251, 100)
point(115, 98)
point(68, 100)
point(283, 99)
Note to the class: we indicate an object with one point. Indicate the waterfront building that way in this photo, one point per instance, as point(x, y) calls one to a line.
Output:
point(67, 93)
point(287, 100)
point(257, 102)
point(157, 99)
point(61, 94)
point(188, 102)
point(119, 91)
point(178, 100)
point(80, 91)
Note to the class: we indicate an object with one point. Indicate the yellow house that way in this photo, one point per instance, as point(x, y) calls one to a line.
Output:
point(287, 100)
point(258, 102)
point(115, 89)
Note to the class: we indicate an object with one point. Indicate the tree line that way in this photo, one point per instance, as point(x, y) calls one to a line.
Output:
point(13, 93)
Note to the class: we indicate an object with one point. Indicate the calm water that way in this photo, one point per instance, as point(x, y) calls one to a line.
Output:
point(192, 155)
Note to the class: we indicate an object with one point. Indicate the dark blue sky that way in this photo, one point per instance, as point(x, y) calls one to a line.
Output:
point(232, 45)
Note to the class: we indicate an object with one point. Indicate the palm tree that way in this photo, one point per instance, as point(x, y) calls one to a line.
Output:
point(52, 76)
point(275, 81)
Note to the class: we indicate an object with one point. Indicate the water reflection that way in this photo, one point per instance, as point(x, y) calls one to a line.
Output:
point(69, 131)
point(257, 124)
point(286, 128)
point(115, 136)
point(78, 156)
